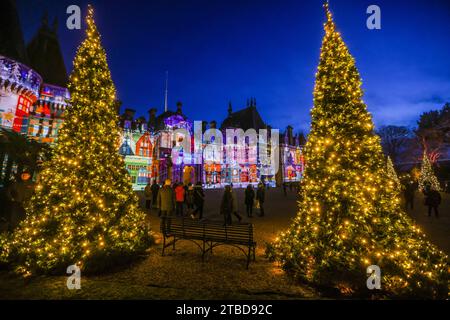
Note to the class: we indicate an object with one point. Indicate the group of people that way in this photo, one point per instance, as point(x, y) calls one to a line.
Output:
point(252, 199)
point(291, 186)
point(184, 200)
point(432, 197)
point(174, 198)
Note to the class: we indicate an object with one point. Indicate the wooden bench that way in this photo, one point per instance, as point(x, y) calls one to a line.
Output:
point(208, 235)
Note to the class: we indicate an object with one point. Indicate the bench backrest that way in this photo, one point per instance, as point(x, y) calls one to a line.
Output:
point(207, 230)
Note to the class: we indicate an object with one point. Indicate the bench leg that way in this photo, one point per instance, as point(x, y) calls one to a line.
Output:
point(203, 251)
point(249, 255)
point(164, 246)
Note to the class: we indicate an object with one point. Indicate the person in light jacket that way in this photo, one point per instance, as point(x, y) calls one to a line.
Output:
point(166, 200)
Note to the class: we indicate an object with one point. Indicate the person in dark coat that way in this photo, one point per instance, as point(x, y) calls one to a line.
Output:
point(260, 197)
point(166, 200)
point(199, 200)
point(432, 200)
point(285, 188)
point(18, 193)
point(148, 196)
point(249, 200)
point(155, 189)
point(228, 206)
point(409, 193)
point(189, 198)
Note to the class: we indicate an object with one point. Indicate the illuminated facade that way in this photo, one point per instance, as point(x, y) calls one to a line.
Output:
point(214, 163)
point(19, 90)
point(34, 99)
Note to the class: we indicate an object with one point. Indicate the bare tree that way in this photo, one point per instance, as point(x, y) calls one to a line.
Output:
point(394, 140)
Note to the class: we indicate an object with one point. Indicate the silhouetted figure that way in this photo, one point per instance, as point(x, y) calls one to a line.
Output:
point(228, 206)
point(432, 200)
point(155, 190)
point(409, 193)
point(249, 200)
point(148, 196)
point(285, 188)
point(260, 197)
point(199, 200)
point(189, 198)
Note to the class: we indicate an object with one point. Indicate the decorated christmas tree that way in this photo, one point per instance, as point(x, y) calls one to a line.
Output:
point(392, 174)
point(427, 177)
point(84, 211)
point(350, 217)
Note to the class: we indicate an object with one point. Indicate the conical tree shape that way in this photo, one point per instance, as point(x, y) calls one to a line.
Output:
point(392, 174)
point(349, 217)
point(84, 210)
point(427, 177)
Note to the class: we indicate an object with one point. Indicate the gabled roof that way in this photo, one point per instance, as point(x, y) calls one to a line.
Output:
point(245, 119)
point(12, 44)
point(45, 55)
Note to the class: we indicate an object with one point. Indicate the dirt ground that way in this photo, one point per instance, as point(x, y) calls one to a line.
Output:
point(182, 275)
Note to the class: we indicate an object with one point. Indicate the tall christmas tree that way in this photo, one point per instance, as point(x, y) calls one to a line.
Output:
point(84, 210)
point(392, 174)
point(350, 217)
point(427, 177)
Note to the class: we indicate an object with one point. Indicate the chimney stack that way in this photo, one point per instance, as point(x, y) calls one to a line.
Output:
point(129, 114)
point(179, 107)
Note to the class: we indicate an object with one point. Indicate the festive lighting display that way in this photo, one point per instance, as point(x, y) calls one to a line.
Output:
point(427, 177)
point(392, 174)
point(350, 215)
point(83, 210)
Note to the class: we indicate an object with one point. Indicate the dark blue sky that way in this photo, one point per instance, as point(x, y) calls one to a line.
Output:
point(227, 50)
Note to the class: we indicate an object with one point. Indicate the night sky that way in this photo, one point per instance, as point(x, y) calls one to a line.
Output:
point(218, 51)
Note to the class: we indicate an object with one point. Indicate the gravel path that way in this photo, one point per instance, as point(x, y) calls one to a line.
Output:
point(181, 274)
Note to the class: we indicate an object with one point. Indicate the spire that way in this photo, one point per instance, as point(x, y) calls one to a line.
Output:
point(45, 19)
point(166, 91)
point(45, 54)
point(12, 44)
point(230, 109)
point(55, 25)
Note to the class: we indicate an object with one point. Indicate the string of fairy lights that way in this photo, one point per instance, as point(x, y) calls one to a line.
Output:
point(84, 210)
point(350, 215)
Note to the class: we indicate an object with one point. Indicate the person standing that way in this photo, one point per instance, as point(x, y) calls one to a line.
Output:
point(228, 206)
point(189, 198)
point(432, 200)
point(408, 193)
point(249, 200)
point(148, 196)
point(260, 197)
point(179, 197)
point(18, 193)
point(285, 188)
point(155, 190)
point(235, 204)
point(165, 200)
point(199, 200)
